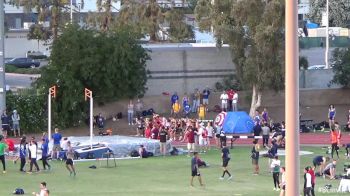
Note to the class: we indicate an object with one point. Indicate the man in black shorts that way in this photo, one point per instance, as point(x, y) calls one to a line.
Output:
point(195, 169)
point(69, 161)
point(225, 154)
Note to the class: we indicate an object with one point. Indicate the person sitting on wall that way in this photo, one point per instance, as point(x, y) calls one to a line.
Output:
point(143, 152)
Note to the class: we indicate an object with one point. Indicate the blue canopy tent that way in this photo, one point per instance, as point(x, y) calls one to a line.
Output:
point(238, 123)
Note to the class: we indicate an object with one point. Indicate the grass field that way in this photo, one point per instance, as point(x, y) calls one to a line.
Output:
point(157, 176)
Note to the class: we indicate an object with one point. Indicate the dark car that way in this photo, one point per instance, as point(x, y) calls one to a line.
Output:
point(23, 63)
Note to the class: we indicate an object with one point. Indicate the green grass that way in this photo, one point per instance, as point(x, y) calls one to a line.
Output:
point(14, 69)
point(157, 176)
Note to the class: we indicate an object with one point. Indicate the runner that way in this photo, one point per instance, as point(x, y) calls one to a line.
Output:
point(334, 139)
point(195, 169)
point(69, 161)
point(225, 155)
point(255, 157)
point(3, 147)
point(44, 150)
point(283, 181)
point(22, 154)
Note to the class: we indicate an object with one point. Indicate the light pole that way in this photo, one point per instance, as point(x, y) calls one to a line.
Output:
point(88, 95)
point(327, 35)
point(292, 99)
point(2, 53)
point(71, 11)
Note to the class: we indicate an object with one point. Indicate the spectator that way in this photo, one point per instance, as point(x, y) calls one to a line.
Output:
point(313, 180)
point(190, 140)
point(162, 139)
point(255, 157)
point(173, 100)
point(201, 112)
point(275, 168)
point(139, 108)
point(100, 121)
point(176, 108)
point(235, 101)
point(331, 115)
point(33, 148)
point(210, 131)
point(148, 132)
point(56, 144)
point(15, 123)
point(329, 170)
point(143, 152)
point(224, 98)
point(265, 116)
point(266, 134)
point(321, 162)
point(3, 147)
point(196, 100)
point(230, 93)
point(348, 120)
point(131, 113)
point(187, 110)
point(272, 152)
point(257, 117)
point(5, 122)
point(257, 130)
point(206, 93)
point(44, 150)
point(307, 182)
point(140, 126)
point(203, 138)
point(45, 137)
point(283, 181)
point(64, 144)
point(338, 130)
point(155, 132)
point(22, 153)
point(185, 101)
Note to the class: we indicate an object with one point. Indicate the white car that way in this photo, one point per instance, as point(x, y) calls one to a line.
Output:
point(316, 67)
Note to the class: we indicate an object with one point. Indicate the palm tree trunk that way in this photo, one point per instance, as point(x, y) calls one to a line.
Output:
point(256, 100)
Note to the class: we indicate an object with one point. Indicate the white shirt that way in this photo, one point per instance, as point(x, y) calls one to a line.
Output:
point(275, 163)
point(235, 98)
point(200, 133)
point(308, 180)
point(224, 98)
point(64, 145)
point(210, 131)
point(33, 151)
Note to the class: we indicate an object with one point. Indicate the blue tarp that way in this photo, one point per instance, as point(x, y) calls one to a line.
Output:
point(238, 123)
point(311, 25)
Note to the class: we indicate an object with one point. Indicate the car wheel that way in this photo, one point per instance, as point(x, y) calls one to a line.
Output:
point(32, 66)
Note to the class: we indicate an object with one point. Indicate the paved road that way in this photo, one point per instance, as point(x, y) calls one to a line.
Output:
point(19, 80)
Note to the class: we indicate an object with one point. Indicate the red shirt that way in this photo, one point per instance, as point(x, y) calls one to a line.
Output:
point(155, 133)
point(313, 177)
point(334, 137)
point(11, 144)
point(148, 133)
point(190, 137)
point(230, 94)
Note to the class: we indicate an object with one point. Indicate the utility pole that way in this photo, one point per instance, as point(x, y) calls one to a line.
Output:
point(71, 11)
point(327, 35)
point(292, 99)
point(88, 95)
point(2, 52)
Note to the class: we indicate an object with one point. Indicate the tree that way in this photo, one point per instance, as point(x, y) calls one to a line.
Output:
point(303, 62)
point(341, 68)
point(105, 16)
point(178, 31)
point(254, 31)
point(47, 10)
point(339, 12)
point(39, 32)
point(111, 64)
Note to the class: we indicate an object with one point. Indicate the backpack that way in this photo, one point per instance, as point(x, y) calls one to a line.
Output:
point(18, 191)
point(134, 153)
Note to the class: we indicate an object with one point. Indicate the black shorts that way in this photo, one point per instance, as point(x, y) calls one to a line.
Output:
point(217, 135)
point(69, 162)
point(316, 163)
point(284, 187)
point(195, 173)
point(327, 172)
point(225, 162)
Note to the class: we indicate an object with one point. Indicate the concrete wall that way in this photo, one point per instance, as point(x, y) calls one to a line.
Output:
point(313, 104)
point(317, 79)
point(185, 69)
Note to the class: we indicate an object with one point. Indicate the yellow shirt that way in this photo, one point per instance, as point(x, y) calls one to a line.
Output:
point(201, 111)
point(176, 107)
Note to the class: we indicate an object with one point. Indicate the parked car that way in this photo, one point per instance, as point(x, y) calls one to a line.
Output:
point(23, 63)
point(317, 67)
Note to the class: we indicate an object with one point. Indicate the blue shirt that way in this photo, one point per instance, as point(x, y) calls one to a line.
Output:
point(57, 138)
point(44, 148)
point(225, 153)
point(194, 163)
point(22, 151)
point(174, 98)
point(187, 108)
point(206, 94)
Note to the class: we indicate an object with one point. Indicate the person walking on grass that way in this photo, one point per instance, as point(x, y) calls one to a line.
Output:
point(307, 182)
point(334, 140)
point(195, 170)
point(283, 181)
point(69, 161)
point(313, 180)
point(33, 148)
point(22, 154)
point(56, 137)
point(3, 147)
point(44, 150)
point(225, 155)
point(255, 157)
point(275, 167)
